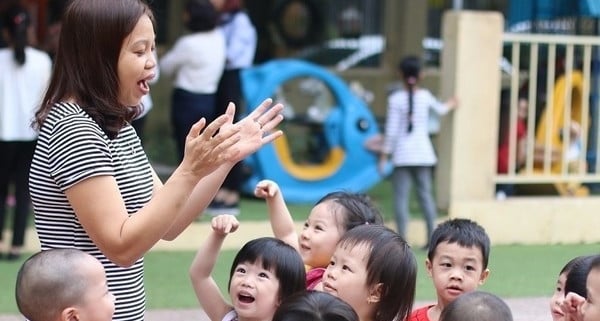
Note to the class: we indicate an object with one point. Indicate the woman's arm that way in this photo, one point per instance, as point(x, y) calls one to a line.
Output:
point(124, 238)
point(212, 301)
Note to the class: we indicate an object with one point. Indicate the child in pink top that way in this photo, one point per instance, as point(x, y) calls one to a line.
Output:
point(330, 218)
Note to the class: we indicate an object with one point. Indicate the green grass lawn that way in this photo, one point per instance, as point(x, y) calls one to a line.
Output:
point(516, 271)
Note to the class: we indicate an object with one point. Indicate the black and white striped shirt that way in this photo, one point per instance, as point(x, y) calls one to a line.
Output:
point(71, 148)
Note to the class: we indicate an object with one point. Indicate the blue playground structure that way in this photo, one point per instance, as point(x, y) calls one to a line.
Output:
point(341, 161)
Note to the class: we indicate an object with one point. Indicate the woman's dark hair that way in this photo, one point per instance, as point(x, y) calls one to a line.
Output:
point(16, 21)
point(314, 306)
point(86, 62)
point(410, 67)
point(391, 265)
point(355, 209)
point(203, 16)
point(278, 256)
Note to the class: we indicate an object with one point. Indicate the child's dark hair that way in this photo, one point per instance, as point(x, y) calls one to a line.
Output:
point(577, 275)
point(595, 264)
point(314, 306)
point(465, 232)
point(15, 21)
point(391, 264)
point(274, 254)
point(203, 16)
point(410, 67)
point(477, 306)
point(356, 208)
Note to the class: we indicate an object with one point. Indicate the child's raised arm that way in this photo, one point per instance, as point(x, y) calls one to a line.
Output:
point(207, 291)
point(281, 220)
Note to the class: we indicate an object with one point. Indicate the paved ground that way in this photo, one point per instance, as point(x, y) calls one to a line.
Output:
point(524, 309)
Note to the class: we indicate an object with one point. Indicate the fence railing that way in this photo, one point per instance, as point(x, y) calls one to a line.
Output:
point(549, 110)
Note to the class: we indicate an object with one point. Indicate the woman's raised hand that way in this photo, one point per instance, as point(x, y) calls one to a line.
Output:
point(206, 150)
point(257, 129)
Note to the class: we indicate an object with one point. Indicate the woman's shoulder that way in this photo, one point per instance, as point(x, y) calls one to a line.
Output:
point(66, 112)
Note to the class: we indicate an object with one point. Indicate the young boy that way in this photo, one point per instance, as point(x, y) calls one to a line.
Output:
point(477, 305)
point(63, 285)
point(586, 309)
point(456, 262)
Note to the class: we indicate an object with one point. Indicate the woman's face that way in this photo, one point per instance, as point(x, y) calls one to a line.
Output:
point(136, 63)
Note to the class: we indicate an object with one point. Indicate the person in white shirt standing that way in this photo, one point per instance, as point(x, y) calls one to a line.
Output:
point(408, 146)
point(196, 63)
point(241, 41)
point(24, 76)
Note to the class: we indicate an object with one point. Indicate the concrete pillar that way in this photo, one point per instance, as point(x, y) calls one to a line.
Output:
point(468, 138)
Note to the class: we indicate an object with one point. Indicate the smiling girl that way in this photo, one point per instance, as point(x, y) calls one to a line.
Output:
point(264, 272)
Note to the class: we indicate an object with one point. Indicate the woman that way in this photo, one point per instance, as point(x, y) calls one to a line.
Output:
point(91, 183)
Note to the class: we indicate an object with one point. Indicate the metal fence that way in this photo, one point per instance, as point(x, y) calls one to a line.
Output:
point(555, 79)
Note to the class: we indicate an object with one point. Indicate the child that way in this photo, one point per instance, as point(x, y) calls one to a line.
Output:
point(408, 146)
point(457, 262)
point(62, 285)
point(330, 218)
point(263, 273)
point(580, 308)
point(374, 270)
point(570, 279)
point(477, 306)
point(314, 306)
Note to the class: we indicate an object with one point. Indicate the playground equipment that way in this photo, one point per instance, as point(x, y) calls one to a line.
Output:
point(554, 127)
point(342, 129)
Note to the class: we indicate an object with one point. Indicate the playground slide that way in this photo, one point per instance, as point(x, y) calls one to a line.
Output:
point(347, 165)
point(555, 126)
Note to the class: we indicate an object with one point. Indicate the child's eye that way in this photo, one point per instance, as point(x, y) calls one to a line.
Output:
point(331, 263)
point(305, 225)
point(240, 270)
point(469, 268)
point(319, 227)
point(263, 275)
point(347, 268)
point(446, 265)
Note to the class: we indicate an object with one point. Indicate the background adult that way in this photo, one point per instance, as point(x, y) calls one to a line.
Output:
point(24, 74)
point(196, 63)
point(240, 44)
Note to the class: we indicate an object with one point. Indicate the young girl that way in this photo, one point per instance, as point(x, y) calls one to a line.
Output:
point(263, 273)
point(374, 270)
point(330, 218)
point(570, 279)
point(408, 146)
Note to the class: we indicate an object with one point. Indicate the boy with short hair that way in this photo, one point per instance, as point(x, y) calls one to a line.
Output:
point(477, 306)
point(457, 263)
point(63, 285)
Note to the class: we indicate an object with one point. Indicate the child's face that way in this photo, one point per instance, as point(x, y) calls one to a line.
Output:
point(254, 291)
point(319, 236)
point(346, 278)
point(557, 298)
point(97, 304)
point(455, 270)
point(591, 307)
point(136, 63)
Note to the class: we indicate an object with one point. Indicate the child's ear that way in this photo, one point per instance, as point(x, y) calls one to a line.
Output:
point(429, 267)
point(484, 275)
point(69, 314)
point(375, 293)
